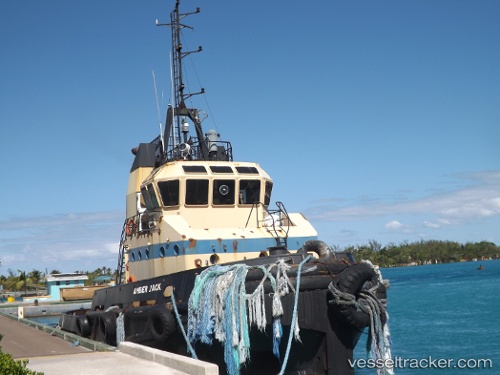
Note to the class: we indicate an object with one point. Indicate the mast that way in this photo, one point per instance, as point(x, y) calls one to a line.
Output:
point(176, 127)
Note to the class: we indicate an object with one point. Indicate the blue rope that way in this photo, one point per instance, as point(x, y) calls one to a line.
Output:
point(294, 316)
point(178, 318)
point(208, 322)
point(231, 325)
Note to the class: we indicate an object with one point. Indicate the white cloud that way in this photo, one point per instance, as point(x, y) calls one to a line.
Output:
point(480, 199)
point(397, 226)
point(439, 223)
point(67, 242)
point(394, 224)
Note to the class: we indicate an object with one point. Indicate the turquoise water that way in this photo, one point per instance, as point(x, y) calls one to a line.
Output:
point(443, 311)
point(48, 320)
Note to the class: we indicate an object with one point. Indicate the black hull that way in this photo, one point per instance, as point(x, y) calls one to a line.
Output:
point(327, 337)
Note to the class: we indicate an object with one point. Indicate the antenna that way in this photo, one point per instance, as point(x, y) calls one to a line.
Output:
point(179, 143)
point(178, 54)
point(172, 82)
point(158, 110)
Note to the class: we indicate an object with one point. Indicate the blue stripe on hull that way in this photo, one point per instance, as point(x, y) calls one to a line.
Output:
point(203, 247)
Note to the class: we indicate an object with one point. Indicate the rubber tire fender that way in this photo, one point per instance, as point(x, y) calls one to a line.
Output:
point(318, 247)
point(351, 280)
point(162, 324)
point(108, 326)
point(83, 326)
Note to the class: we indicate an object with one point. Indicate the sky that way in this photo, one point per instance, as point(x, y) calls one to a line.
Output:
point(378, 120)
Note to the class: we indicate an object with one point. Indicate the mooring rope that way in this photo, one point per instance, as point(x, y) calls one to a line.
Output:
point(181, 327)
point(294, 331)
point(378, 342)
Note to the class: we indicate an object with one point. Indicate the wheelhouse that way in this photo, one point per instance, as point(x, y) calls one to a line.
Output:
point(206, 185)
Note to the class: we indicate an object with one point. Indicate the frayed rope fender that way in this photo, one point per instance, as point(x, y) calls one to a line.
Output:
point(378, 342)
point(220, 308)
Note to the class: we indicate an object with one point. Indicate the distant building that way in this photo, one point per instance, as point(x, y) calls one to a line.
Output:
point(63, 280)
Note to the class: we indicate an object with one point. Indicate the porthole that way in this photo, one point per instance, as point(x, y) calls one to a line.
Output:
point(176, 250)
point(162, 252)
point(139, 255)
point(147, 253)
point(214, 259)
point(132, 255)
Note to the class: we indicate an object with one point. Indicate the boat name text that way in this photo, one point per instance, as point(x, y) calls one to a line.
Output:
point(147, 288)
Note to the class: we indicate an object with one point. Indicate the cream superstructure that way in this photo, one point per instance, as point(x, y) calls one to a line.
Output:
point(188, 214)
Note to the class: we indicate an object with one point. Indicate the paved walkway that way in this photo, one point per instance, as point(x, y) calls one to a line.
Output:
point(54, 356)
point(23, 341)
point(98, 363)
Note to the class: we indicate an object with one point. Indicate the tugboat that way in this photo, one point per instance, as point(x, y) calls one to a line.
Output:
point(206, 267)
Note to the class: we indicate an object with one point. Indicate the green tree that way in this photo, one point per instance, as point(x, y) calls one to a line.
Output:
point(22, 281)
point(422, 252)
point(35, 277)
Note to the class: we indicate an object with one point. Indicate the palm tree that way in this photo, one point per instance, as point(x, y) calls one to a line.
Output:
point(11, 280)
point(35, 276)
point(22, 281)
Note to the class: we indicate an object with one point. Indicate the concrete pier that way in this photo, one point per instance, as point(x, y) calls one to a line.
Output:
point(55, 352)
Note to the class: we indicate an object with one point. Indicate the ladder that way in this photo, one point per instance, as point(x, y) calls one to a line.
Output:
point(120, 270)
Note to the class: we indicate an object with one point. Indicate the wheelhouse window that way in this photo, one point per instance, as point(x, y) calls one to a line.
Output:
point(149, 196)
point(194, 169)
point(221, 169)
point(247, 170)
point(197, 192)
point(223, 192)
point(146, 199)
point(249, 191)
point(169, 192)
point(152, 195)
point(267, 197)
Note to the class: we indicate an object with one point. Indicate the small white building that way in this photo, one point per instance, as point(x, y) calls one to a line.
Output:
point(63, 280)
